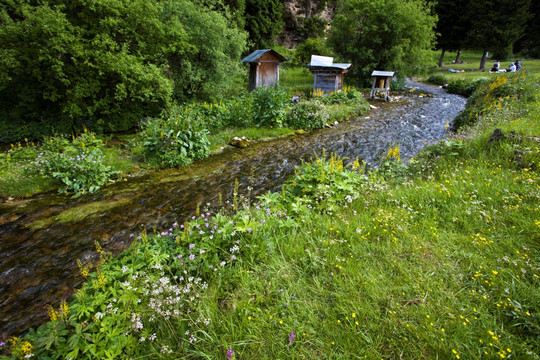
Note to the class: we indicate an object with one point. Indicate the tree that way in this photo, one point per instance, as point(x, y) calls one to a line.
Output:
point(496, 25)
point(529, 45)
point(452, 26)
point(385, 35)
point(263, 22)
point(107, 63)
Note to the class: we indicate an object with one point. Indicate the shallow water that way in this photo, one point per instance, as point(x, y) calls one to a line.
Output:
point(41, 238)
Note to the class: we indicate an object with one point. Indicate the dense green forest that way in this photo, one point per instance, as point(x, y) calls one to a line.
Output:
point(105, 65)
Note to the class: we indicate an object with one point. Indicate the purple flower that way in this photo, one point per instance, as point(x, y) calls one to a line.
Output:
point(292, 336)
point(191, 246)
point(2, 344)
point(248, 230)
point(191, 256)
point(230, 353)
point(180, 256)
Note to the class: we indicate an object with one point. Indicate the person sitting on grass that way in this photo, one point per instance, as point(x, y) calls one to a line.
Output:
point(512, 68)
point(496, 66)
point(518, 64)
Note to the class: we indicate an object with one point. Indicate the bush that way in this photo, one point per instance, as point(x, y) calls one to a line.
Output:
point(78, 164)
point(487, 93)
point(172, 142)
point(325, 184)
point(307, 115)
point(464, 87)
point(437, 79)
point(302, 55)
point(107, 64)
point(270, 106)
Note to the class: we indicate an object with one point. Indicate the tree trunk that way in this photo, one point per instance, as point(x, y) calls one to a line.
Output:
point(441, 59)
point(458, 56)
point(308, 9)
point(483, 61)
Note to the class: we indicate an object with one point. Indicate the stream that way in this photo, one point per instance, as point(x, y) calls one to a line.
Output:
point(41, 238)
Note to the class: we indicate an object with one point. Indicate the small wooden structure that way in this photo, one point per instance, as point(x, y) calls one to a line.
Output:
point(328, 76)
point(264, 68)
point(381, 82)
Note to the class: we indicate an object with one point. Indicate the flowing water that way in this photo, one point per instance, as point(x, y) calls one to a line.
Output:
point(41, 238)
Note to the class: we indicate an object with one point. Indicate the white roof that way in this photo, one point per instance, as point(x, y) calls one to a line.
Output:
point(326, 61)
point(317, 60)
point(382, 73)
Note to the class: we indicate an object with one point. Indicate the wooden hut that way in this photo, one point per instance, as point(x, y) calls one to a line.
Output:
point(381, 82)
point(263, 68)
point(328, 76)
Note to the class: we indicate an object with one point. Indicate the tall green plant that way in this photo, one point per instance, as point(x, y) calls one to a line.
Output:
point(77, 164)
point(270, 106)
point(384, 35)
point(172, 142)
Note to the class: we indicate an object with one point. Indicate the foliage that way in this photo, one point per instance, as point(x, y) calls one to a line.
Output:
point(496, 27)
point(204, 68)
point(270, 106)
point(312, 27)
point(464, 87)
point(174, 141)
point(312, 46)
point(383, 35)
point(263, 22)
point(325, 184)
point(77, 164)
point(493, 93)
point(453, 22)
point(307, 115)
point(437, 79)
point(107, 64)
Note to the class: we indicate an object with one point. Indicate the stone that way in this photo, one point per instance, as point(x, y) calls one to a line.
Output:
point(497, 136)
point(239, 142)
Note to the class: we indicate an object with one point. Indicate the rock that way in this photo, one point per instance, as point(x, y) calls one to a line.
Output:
point(239, 142)
point(497, 136)
point(295, 99)
point(336, 123)
point(373, 106)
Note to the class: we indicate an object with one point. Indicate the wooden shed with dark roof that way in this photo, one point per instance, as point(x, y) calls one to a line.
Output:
point(263, 68)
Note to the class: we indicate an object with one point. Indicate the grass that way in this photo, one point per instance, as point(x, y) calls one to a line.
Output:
point(222, 138)
point(471, 64)
point(437, 259)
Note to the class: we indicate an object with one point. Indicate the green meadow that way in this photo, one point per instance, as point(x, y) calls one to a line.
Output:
point(435, 259)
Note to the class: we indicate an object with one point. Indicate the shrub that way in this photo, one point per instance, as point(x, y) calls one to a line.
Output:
point(464, 87)
point(437, 79)
point(302, 55)
point(489, 93)
point(270, 106)
point(307, 115)
point(108, 64)
point(78, 164)
point(325, 184)
point(172, 142)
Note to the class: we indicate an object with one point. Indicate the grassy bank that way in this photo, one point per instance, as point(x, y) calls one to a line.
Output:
point(184, 134)
point(470, 63)
point(437, 259)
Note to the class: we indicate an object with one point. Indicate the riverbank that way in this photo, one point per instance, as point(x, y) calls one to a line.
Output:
point(45, 235)
point(433, 259)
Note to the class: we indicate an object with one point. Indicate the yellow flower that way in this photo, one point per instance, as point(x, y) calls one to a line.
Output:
point(64, 309)
point(53, 315)
point(353, 315)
